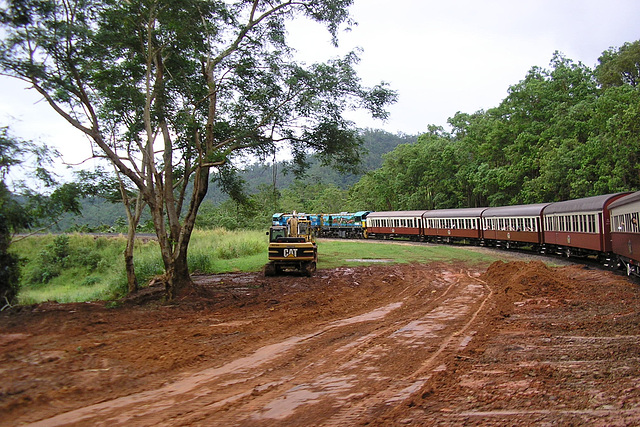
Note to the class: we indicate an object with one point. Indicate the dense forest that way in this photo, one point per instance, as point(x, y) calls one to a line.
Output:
point(562, 132)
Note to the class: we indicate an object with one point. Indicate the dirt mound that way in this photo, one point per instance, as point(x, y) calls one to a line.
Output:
point(519, 281)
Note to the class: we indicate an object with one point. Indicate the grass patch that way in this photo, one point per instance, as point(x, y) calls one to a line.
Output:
point(332, 254)
point(76, 267)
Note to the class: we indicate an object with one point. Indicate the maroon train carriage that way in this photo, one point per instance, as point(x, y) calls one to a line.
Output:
point(453, 225)
point(625, 231)
point(513, 226)
point(387, 225)
point(579, 227)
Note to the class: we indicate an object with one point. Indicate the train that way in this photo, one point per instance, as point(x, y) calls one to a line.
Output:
point(604, 227)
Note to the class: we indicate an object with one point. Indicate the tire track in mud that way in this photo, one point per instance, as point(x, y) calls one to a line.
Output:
point(474, 300)
point(346, 370)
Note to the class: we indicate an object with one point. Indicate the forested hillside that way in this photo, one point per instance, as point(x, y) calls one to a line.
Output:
point(563, 132)
point(320, 188)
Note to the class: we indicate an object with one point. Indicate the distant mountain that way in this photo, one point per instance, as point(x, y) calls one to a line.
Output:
point(376, 144)
point(97, 211)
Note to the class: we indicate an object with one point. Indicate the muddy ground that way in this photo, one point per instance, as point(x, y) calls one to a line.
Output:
point(518, 343)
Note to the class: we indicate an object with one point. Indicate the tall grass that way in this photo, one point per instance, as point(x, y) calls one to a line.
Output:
point(77, 267)
point(220, 251)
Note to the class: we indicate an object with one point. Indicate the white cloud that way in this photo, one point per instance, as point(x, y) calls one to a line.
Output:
point(441, 56)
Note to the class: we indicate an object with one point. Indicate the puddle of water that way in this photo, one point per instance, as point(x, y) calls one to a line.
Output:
point(467, 339)
point(303, 394)
point(406, 392)
point(232, 323)
point(420, 329)
point(376, 314)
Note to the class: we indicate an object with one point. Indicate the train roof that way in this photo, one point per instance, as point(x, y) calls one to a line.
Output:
point(587, 204)
point(630, 198)
point(454, 213)
point(395, 214)
point(517, 210)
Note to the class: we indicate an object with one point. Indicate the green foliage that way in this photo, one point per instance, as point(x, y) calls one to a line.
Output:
point(620, 67)
point(69, 268)
point(556, 136)
point(207, 82)
point(22, 207)
point(58, 256)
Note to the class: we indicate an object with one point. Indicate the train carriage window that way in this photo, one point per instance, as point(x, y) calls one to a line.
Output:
point(634, 222)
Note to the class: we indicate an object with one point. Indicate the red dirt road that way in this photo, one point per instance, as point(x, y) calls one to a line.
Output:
point(518, 344)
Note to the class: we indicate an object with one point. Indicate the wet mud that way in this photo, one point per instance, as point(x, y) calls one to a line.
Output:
point(514, 343)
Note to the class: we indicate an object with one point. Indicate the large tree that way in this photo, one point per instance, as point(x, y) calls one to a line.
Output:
point(168, 90)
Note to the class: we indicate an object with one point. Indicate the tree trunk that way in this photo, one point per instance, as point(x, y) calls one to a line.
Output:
point(132, 280)
point(133, 218)
point(178, 277)
point(174, 253)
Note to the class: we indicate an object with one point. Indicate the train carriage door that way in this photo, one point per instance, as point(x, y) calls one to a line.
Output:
point(601, 231)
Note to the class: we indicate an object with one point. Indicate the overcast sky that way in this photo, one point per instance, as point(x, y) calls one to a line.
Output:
point(441, 56)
